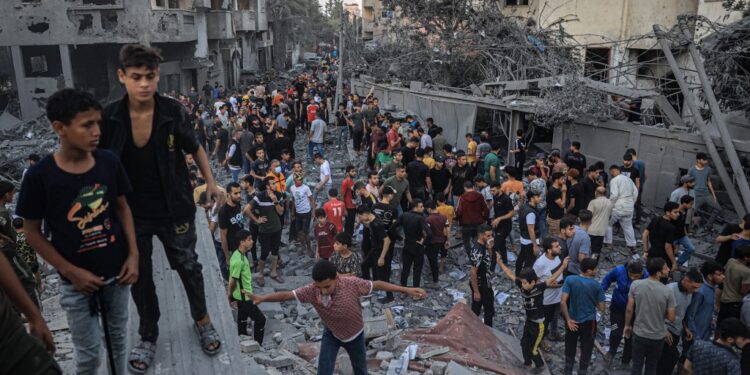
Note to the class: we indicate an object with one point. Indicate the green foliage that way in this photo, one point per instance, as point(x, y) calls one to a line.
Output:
point(738, 6)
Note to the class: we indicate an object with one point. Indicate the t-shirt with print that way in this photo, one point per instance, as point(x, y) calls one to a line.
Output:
point(239, 269)
point(231, 219)
point(532, 300)
point(652, 299)
point(351, 265)
point(502, 205)
point(544, 268)
point(480, 258)
point(335, 211)
point(340, 311)
point(584, 294)
point(437, 223)
point(301, 195)
point(324, 236)
point(630, 172)
point(80, 211)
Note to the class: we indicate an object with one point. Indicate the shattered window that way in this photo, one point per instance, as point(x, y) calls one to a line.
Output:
point(41, 61)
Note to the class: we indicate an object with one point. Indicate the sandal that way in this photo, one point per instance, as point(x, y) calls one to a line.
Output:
point(278, 278)
point(208, 335)
point(144, 353)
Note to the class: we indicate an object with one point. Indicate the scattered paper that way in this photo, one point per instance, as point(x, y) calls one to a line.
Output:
point(501, 297)
point(456, 294)
point(457, 275)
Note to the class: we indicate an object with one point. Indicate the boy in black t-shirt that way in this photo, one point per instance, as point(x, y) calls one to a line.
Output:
point(532, 292)
point(79, 192)
point(231, 221)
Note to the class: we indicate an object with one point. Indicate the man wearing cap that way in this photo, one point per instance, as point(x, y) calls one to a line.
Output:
point(718, 356)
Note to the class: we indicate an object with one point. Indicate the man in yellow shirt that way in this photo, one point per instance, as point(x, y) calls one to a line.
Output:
point(471, 149)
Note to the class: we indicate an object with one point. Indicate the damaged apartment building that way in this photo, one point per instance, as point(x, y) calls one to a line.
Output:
point(46, 45)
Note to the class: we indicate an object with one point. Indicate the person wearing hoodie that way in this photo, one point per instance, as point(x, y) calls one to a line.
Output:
point(471, 212)
point(622, 194)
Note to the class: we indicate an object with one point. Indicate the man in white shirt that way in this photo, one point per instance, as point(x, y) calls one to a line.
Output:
point(601, 208)
point(326, 181)
point(623, 194)
point(317, 136)
point(302, 213)
point(544, 267)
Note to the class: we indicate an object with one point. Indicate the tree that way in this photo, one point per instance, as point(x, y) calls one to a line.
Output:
point(296, 21)
point(738, 6)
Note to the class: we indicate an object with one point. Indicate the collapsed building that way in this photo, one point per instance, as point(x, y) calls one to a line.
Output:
point(48, 45)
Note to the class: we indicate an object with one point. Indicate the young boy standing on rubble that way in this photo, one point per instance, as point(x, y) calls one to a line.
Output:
point(532, 291)
point(336, 299)
point(79, 192)
point(240, 288)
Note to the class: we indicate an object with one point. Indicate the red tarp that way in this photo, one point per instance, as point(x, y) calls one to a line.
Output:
point(471, 343)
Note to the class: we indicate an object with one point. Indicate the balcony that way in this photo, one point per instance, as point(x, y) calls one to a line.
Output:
point(219, 24)
point(244, 20)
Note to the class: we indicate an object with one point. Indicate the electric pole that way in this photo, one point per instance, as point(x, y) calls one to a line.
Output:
point(340, 62)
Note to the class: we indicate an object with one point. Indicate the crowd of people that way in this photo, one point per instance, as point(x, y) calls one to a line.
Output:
point(138, 168)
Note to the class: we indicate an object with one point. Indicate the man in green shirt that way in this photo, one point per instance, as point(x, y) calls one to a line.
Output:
point(400, 184)
point(389, 170)
point(240, 289)
point(492, 173)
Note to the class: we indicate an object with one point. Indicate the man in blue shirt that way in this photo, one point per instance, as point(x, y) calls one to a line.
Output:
point(700, 312)
point(582, 295)
point(622, 276)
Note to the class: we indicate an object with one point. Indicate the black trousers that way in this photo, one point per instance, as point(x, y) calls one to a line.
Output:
point(670, 354)
point(532, 337)
point(433, 251)
point(596, 244)
point(469, 237)
point(245, 310)
point(500, 246)
point(357, 140)
point(486, 301)
point(646, 354)
point(351, 214)
point(371, 270)
point(526, 258)
point(551, 319)
point(617, 321)
point(413, 255)
point(179, 241)
point(585, 335)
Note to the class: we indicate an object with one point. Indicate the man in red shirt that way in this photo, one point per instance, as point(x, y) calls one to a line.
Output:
point(335, 209)
point(336, 299)
point(347, 190)
point(325, 233)
point(312, 109)
point(394, 139)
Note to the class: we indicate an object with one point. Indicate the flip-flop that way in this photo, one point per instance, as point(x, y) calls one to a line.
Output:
point(208, 335)
point(144, 353)
point(278, 278)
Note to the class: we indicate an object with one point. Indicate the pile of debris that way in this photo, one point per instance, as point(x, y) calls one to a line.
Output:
point(17, 142)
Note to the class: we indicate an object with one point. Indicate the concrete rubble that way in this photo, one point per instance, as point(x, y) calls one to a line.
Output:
point(21, 139)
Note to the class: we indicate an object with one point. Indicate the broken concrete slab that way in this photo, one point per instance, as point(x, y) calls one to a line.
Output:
point(454, 368)
point(249, 346)
point(438, 367)
point(376, 327)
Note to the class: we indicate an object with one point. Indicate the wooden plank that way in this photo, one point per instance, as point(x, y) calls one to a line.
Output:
point(178, 349)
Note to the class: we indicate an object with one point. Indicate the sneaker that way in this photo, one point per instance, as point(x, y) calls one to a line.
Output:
point(539, 370)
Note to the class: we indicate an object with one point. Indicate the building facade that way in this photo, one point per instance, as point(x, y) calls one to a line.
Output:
point(47, 45)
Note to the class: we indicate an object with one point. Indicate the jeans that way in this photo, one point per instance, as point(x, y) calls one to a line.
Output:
point(551, 319)
point(86, 330)
point(222, 260)
point(343, 136)
point(713, 207)
point(318, 147)
point(670, 354)
point(469, 236)
point(645, 352)
point(329, 349)
point(413, 254)
point(235, 174)
point(617, 321)
point(246, 165)
point(486, 301)
point(687, 249)
point(179, 246)
point(626, 223)
point(245, 310)
point(543, 222)
point(585, 334)
point(526, 258)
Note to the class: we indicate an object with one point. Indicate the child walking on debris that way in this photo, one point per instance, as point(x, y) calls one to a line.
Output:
point(240, 288)
point(79, 192)
point(336, 299)
point(532, 291)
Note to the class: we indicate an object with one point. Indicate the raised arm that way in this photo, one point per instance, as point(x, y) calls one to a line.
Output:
point(553, 279)
point(273, 297)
